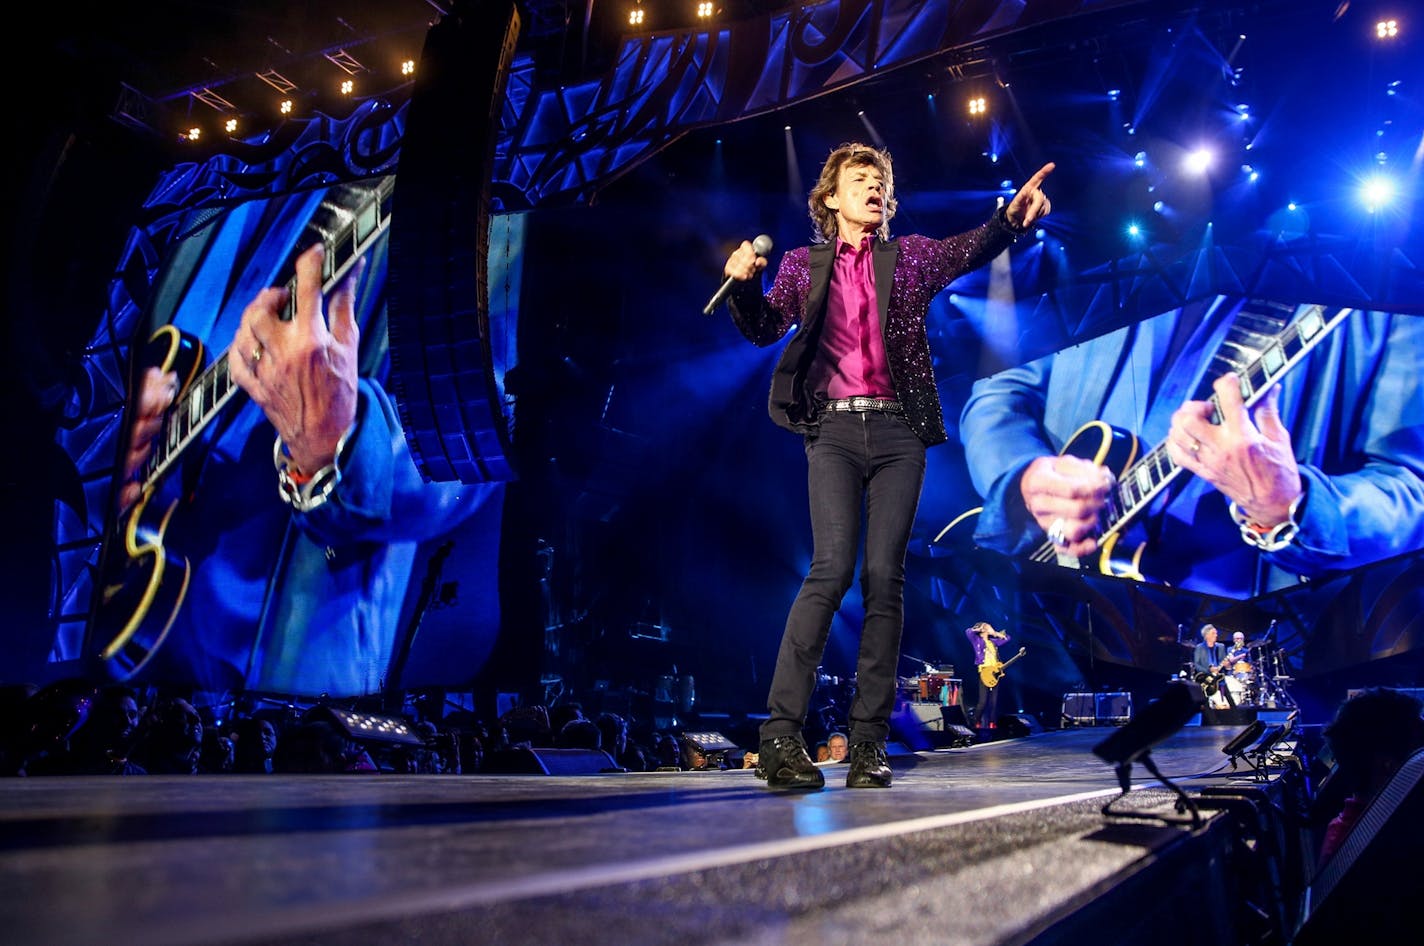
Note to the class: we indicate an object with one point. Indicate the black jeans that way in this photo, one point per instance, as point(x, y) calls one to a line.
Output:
point(866, 465)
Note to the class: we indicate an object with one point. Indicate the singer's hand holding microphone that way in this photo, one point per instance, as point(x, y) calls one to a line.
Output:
point(745, 262)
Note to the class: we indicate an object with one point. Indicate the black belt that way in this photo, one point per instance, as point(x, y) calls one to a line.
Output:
point(885, 404)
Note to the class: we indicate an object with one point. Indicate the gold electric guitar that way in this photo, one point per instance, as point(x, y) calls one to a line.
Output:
point(991, 673)
point(144, 582)
point(1140, 479)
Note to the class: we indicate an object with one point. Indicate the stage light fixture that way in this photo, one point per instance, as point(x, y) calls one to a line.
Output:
point(194, 133)
point(978, 106)
point(347, 86)
point(1160, 719)
point(230, 126)
point(1134, 231)
point(1140, 159)
point(704, 10)
point(713, 747)
point(369, 727)
point(709, 742)
point(1377, 192)
point(1238, 744)
point(407, 67)
point(1198, 161)
point(635, 16)
point(1387, 29)
point(286, 107)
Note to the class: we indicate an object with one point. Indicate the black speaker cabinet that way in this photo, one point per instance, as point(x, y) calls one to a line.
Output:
point(1017, 725)
point(923, 726)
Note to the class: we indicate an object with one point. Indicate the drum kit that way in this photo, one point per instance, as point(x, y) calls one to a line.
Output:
point(1254, 676)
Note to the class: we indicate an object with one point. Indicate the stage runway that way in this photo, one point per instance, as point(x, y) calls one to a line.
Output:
point(1000, 842)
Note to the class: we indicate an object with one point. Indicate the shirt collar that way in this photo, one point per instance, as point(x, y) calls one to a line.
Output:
point(865, 243)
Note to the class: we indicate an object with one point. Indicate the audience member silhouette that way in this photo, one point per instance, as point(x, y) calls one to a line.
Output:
point(561, 714)
point(254, 742)
point(216, 756)
point(579, 733)
point(614, 731)
point(173, 743)
point(50, 717)
point(13, 728)
point(108, 738)
point(312, 747)
point(527, 726)
point(1372, 735)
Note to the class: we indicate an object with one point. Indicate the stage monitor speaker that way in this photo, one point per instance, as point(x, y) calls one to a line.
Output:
point(1017, 725)
point(923, 726)
point(1369, 891)
point(523, 760)
point(1114, 709)
point(955, 715)
point(1080, 709)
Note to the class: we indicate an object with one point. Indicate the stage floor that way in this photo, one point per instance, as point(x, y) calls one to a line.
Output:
point(994, 843)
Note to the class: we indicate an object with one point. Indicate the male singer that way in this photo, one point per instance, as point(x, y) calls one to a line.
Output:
point(856, 382)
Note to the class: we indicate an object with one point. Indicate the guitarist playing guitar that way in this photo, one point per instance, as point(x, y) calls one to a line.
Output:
point(1209, 663)
point(267, 513)
point(1268, 442)
point(986, 640)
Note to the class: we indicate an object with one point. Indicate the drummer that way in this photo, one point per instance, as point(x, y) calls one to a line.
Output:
point(1239, 684)
point(1238, 650)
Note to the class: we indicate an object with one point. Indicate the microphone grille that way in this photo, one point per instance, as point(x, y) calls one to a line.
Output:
point(761, 245)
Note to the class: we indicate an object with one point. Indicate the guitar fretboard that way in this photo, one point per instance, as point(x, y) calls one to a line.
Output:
point(347, 232)
point(1145, 479)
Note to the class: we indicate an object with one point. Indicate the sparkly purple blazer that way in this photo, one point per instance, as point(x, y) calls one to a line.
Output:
point(916, 269)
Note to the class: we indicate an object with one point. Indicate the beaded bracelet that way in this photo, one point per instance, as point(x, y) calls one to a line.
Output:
point(1268, 538)
point(306, 491)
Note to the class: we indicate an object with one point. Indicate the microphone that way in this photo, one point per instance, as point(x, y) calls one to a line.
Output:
point(761, 246)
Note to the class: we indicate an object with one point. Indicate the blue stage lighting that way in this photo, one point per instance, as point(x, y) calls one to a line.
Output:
point(1198, 161)
point(1134, 231)
point(1377, 192)
point(1140, 159)
point(1159, 206)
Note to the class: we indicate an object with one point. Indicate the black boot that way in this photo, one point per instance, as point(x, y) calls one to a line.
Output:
point(869, 767)
point(784, 763)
